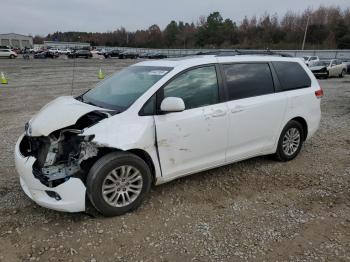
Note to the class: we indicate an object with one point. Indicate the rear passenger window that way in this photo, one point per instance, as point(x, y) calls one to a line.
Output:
point(291, 75)
point(248, 80)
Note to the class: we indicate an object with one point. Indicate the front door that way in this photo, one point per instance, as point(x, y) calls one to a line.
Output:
point(196, 138)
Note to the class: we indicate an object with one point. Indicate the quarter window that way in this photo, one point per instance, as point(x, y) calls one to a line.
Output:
point(197, 87)
point(248, 80)
point(291, 75)
point(150, 107)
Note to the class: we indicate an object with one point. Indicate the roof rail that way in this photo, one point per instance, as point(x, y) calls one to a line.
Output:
point(243, 52)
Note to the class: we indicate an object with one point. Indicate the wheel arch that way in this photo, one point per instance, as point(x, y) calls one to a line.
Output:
point(147, 158)
point(136, 151)
point(303, 123)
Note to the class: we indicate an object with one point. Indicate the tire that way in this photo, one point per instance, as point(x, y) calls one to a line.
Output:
point(342, 74)
point(111, 167)
point(12, 56)
point(282, 153)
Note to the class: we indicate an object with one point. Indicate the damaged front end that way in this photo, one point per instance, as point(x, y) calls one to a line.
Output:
point(63, 153)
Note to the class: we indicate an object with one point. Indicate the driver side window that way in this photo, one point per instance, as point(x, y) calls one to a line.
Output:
point(197, 87)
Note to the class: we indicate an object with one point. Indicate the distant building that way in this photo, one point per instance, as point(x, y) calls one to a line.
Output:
point(16, 40)
point(65, 45)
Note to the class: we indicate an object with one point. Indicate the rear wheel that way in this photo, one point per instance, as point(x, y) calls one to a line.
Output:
point(12, 56)
point(342, 74)
point(118, 183)
point(290, 141)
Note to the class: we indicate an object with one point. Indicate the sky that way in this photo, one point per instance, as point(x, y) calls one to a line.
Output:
point(40, 17)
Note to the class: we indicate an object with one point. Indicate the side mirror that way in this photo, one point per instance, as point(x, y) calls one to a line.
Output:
point(172, 104)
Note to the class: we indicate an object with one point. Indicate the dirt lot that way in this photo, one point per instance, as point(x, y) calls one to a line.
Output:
point(253, 210)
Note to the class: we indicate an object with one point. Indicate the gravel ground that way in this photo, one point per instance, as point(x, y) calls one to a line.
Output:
point(255, 210)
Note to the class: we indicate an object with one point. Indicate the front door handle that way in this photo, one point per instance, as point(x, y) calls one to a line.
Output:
point(237, 109)
point(216, 113)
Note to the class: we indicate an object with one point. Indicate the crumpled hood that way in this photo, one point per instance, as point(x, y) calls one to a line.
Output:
point(59, 113)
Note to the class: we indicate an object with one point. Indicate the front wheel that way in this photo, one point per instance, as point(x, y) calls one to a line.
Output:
point(12, 56)
point(118, 183)
point(290, 141)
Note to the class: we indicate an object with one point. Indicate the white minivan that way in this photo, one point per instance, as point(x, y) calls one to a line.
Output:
point(156, 121)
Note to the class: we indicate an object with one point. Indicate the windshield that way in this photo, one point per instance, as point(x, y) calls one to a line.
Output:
point(122, 89)
point(321, 63)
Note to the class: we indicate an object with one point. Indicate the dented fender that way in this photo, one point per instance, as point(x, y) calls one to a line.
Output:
point(124, 133)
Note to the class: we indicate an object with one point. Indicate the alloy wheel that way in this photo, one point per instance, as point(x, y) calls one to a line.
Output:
point(291, 141)
point(122, 186)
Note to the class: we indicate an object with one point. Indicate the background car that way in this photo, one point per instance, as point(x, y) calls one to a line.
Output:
point(145, 55)
point(128, 54)
point(153, 55)
point(347, 63)
point(43, 49)
point(101, 51)
point(310, 59)
point(54, 50)
point(80, 53)
point(8, 53)
point(45, 54)
point(64, 51)
point(112, 53)
point(17, 50)
point(328, 68)
point(156, 55)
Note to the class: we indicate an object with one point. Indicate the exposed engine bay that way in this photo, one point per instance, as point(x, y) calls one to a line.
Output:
point(60, 154)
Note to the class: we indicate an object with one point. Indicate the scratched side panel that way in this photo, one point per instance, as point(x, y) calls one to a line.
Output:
point(191, 140)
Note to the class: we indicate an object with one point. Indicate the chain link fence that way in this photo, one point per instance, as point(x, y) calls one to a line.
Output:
point(322, 54)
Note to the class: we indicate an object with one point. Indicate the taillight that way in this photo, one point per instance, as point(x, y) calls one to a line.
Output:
point(319, 93)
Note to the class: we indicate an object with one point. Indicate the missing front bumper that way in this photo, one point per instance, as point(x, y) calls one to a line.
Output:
point(72, 192)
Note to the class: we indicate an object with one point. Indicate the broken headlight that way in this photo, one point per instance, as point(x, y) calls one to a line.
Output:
point(59, 158)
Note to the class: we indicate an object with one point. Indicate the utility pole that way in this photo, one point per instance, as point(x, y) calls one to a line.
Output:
point(307, 24)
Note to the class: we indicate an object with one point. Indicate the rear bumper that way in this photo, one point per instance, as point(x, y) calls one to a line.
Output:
point(71, 193)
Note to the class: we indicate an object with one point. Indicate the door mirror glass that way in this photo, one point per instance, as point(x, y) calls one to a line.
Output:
point(172, 104)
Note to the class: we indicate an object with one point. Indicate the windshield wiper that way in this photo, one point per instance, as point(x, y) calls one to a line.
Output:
point(81, 97)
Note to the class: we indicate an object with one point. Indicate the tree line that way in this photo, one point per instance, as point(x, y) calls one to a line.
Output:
point(328, 28)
